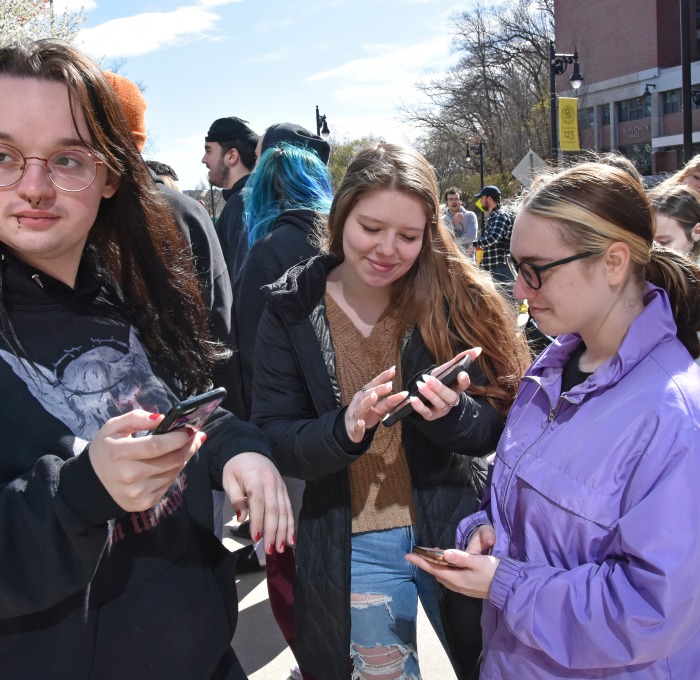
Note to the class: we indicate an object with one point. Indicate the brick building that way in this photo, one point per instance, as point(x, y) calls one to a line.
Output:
point(623, 46)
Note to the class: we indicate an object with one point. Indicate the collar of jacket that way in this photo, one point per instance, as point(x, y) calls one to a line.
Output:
point(297, 292)
point(239, 184)
point(652, 327)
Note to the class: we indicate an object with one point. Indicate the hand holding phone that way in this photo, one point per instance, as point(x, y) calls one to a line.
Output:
point(447, 377)
point(192, 412)
point(434, 555)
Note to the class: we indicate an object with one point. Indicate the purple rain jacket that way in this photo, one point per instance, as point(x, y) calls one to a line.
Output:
point(595, 501)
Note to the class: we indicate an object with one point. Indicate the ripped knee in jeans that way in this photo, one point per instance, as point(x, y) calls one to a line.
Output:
point(380, 662)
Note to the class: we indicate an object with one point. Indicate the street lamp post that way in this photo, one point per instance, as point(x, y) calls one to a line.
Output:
point(558, 63)
point(478, 149)
point(322, 125)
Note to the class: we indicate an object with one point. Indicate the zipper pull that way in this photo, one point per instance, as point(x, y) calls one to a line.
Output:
point(37, 280)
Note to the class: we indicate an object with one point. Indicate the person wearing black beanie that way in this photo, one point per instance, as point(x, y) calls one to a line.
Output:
point(294, 134)
point(229, 154)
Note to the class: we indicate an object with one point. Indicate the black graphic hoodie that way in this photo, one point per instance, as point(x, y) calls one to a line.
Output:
point(86, 589)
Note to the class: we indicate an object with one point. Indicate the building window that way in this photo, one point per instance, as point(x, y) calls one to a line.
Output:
point(672, 101)
point(605, 114)
point(693, 105)
point(586, 118)
point(634, 109)
point(640, 155)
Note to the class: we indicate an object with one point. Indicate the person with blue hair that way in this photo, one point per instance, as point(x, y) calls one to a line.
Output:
point(289, 197)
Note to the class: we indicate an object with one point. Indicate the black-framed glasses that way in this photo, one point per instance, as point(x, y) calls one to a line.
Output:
point(68, 169)
point(532, 273)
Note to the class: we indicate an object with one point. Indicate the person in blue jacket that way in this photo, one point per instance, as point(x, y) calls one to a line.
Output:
point(110, 566)
point(586, 549)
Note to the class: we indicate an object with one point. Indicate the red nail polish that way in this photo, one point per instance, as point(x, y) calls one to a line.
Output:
point(190, 432)
point(204, 437)
point(257, 536)
point(153, 416)
point(283, 545)
point(294, 539)
point(270, 548)
point(238, 515)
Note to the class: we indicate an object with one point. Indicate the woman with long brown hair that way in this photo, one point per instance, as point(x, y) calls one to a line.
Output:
point(342, 342)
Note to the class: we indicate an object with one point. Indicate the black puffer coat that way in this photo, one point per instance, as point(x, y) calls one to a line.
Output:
point(296, 401)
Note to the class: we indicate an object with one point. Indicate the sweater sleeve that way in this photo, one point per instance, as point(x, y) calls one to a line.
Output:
point(55, 527)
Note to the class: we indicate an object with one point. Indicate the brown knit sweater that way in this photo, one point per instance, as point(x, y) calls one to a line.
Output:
point(380, 483)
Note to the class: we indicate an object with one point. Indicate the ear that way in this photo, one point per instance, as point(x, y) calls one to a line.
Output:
point(111, 185)
point(232, 157)
point(695, 233)
point(617, 260)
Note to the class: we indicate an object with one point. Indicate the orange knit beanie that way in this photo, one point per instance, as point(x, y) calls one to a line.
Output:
point(133, 103)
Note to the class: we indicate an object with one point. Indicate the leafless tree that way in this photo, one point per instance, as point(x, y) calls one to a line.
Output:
point(497, 92)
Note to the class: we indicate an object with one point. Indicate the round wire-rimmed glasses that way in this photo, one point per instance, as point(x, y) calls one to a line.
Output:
point(68, 169)
point(532, 273)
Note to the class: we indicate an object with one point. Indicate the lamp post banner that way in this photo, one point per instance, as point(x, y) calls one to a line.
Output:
point(568, 124)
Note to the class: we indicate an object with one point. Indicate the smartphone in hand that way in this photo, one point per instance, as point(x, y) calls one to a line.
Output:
point(192, 412)
point(434, 555)
point(447, 377)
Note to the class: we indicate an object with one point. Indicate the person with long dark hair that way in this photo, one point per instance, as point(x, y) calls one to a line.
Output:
point(110, 568)
point(341, 341)
point(586, 549)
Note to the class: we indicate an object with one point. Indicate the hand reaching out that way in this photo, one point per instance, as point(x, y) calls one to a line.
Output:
point(253, 484)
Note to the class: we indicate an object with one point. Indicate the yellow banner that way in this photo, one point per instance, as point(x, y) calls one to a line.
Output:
point(568, 124)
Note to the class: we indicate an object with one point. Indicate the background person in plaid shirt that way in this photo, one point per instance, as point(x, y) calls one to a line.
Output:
point(495, 240)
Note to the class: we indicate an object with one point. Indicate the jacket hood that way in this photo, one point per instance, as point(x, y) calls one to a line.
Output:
point(301, 218)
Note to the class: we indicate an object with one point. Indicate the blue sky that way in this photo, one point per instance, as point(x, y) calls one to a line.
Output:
point(268, 61)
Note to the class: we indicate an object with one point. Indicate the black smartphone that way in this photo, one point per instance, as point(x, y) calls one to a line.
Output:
point(434, 555)
point(192, 412)
point(447, 377)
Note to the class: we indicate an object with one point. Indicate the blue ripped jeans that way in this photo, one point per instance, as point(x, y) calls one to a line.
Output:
point(384, 605)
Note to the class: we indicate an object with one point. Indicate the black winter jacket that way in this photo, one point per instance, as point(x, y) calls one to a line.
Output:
point(289, 242)
point(296, 401)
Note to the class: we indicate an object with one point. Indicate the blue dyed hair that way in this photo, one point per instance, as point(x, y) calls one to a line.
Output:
point(287, 177)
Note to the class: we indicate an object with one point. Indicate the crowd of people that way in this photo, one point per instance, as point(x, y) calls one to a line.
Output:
point(555, 484)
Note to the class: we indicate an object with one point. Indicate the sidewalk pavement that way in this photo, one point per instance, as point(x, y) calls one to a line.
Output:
point(263, 652)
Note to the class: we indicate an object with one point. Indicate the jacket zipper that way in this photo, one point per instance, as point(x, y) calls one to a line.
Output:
point(553, 408)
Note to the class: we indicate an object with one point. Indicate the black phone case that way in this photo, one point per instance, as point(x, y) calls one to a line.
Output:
point(448, 377)
point(189, 407)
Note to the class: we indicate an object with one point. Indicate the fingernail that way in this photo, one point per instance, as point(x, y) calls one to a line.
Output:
point(270, 548)
point(294, 539)
point(390, 385)
point(420, 384)
point(153, 416)
point(283, 545)
point(190, 432)
point(257, 536)
point(204, 437)
point(238, 515)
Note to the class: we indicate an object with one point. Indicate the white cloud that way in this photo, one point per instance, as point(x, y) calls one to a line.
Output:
point(151, 31)
point(385, 77)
